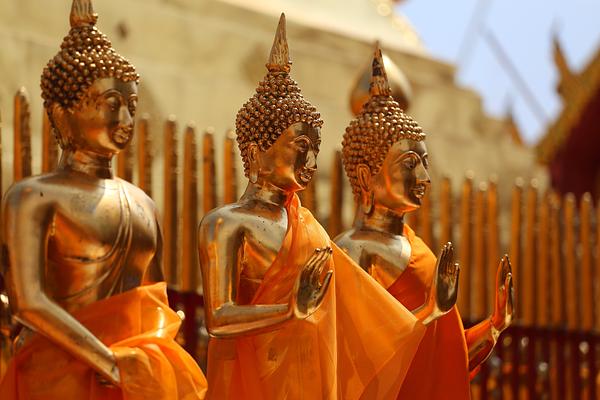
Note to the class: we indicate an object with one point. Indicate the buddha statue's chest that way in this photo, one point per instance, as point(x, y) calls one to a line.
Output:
point(260, 248)
point(98, 246)
point(388, 258)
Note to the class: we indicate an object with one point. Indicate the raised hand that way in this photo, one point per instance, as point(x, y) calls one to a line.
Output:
point(444, 288)
point(309, 291)
point(503, 306)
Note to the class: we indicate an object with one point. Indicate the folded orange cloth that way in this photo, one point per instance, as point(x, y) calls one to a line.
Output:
point(440, 369)
point(357, 345)
point(140, 328)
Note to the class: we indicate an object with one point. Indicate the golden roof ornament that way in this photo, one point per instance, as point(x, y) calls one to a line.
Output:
point(85, 55)
point(401, 89)
point(379, 83)
point(277, 104)
point(379, 125)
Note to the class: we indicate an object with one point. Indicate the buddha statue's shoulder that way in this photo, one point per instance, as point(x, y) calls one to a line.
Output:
point(241, 219)
point(226, 218)
point(34, 190)
point(369, 248)
point(358, 245)
point(137, 195)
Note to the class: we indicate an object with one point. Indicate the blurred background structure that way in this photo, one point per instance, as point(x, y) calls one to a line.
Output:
point(507, 92)
point(202, 59)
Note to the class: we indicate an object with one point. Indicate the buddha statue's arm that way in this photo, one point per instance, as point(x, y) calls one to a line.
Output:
point(26, 226)
point(218, 248)
point(482, 338)
point(154, 273)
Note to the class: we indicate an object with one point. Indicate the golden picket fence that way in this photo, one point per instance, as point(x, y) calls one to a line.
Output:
point(551, 352)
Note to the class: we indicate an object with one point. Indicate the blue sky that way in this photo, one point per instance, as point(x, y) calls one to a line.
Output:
point(524, 31)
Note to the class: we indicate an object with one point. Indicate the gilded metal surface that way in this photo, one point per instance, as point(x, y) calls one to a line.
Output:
point(144, 155)
point(386, 160)
point(334, 227)
point(77, 234)
point(239, 242)
point(465, 248)
point(49, 146)
point(170, 216)
point(209, 186)
point(190, 275)
point(22, 136)
point(230, 189)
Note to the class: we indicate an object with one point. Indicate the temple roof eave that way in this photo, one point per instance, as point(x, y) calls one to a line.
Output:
point(577, 94)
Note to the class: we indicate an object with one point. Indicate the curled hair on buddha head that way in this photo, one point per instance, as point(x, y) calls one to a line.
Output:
point(276, 105)
point(380, 124)
point(86, 55)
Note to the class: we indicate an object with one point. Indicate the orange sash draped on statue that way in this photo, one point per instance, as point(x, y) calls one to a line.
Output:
point(140, 328)
point(440, 369)
point(357, 345)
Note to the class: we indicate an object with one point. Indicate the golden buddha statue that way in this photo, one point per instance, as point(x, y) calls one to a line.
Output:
point(289, 314)
point(83, 248)
point(386, 161)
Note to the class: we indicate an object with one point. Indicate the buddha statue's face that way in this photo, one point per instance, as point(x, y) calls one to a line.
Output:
point(290, 163)
point(403, 179)
point(102, 122)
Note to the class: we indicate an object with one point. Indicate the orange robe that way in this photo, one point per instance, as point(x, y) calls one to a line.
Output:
point(440, 369)
point(357, 345)
point(140, 328)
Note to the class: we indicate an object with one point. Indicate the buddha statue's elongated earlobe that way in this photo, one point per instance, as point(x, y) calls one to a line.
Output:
point(367, 195)
point(368, 198)
point(253, 163)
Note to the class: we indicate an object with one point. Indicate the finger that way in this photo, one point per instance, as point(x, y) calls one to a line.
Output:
point(456, 276)
point(443, 252)
point(309, 265)
point(314, 259)
point(447, 266)
point(503, 269)
point(508, 280)
point(456, 271)
point(450, 250)
point(325, 286)
point(507, 264)
point(314, 265)
point(321, 265)
point(509, 289)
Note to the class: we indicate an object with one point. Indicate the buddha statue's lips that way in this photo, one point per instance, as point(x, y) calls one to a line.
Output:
point(122, 135)
point(419, 190)
point(306, 174)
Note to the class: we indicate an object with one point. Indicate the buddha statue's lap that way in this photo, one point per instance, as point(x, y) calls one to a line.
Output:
point(386, 161)
point(84, 248)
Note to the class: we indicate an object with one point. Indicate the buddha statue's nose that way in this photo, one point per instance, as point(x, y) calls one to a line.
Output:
point(125, 117)
point(311, 159)
point(423, 175)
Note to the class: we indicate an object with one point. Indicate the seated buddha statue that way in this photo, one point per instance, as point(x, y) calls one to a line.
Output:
point(386, 160)
point(289, 314)
point(83, 247)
